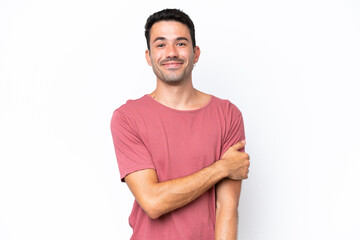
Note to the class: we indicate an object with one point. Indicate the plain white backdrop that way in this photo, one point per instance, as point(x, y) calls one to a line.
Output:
point(292, 68)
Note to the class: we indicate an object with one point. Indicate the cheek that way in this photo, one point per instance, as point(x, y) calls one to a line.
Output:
point(192, 58)
point(154, 61)
point(155, 58)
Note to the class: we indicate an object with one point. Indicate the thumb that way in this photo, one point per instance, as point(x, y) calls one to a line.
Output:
point(239, 145)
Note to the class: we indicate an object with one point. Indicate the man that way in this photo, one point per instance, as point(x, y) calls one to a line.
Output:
point(179, 150)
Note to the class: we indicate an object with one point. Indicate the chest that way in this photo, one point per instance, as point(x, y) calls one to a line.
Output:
point(182, 145)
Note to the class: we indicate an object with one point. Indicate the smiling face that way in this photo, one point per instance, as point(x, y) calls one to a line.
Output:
point(171, 54)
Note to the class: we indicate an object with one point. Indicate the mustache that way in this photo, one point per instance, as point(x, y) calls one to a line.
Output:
point(171, 60)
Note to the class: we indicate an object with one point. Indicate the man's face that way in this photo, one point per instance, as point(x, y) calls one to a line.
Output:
point(171, 54)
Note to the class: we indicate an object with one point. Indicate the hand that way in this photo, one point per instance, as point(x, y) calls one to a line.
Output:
point(236, 163)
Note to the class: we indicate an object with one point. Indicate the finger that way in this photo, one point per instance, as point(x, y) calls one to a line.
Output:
point(239, 145)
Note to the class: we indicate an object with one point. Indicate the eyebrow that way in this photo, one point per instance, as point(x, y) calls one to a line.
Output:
point(182, 38)
point(177, 39)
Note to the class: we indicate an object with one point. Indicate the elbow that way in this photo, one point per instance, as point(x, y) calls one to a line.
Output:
point(152, 214)
point(152, 209)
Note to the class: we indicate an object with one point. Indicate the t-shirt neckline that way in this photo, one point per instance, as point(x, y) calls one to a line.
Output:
point(181, 111)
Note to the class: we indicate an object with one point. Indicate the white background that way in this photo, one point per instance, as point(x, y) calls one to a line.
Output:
point(292, 68)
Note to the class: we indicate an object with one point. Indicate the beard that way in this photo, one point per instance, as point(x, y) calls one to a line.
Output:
point(172, 76)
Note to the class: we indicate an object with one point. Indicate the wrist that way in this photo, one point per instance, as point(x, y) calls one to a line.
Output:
point(221, 169)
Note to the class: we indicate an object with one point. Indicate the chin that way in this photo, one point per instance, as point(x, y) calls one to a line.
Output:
point(172, 81)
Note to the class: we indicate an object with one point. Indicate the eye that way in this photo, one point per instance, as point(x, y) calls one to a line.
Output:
point(181, 44)
point(160, 45)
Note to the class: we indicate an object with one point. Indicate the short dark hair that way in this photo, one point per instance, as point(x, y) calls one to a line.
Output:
point(169, 15)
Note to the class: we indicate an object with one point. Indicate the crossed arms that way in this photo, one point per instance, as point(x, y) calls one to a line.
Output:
point(158, 198)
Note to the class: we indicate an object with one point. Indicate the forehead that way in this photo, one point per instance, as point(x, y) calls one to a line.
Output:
point(169, 29)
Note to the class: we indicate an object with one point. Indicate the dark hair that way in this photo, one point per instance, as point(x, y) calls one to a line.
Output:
point(169, 15)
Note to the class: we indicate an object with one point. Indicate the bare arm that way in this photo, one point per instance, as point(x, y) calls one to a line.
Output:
point(227, 201)
point(158, 198)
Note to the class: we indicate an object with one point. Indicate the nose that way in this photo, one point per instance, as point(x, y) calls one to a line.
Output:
point(171, 51)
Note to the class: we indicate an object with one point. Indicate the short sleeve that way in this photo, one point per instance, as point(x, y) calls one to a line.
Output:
point(131, 153)
point(235, 128)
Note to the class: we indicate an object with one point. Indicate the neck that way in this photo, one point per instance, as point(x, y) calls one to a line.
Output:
point(181, 96)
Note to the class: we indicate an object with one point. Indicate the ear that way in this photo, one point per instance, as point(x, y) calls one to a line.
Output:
point(147, 56)
point(196, 54)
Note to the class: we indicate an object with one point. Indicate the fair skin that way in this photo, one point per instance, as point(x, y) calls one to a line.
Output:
point(172, 58)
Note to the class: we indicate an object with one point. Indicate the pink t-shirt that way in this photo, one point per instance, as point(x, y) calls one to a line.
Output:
point(149, 135)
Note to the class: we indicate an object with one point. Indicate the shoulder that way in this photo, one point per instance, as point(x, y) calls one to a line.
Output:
point(226, 106)
point(132, 105)
point(132, 111)
point(134, 108)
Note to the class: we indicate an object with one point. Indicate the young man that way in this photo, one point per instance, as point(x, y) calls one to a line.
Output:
point(180, 151)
